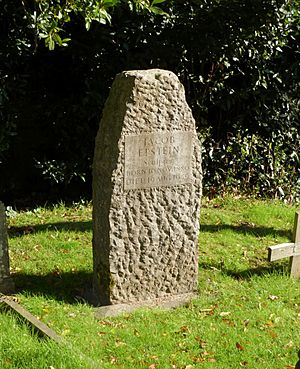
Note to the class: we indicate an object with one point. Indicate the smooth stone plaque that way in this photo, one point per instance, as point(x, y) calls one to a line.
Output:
point(158, 159)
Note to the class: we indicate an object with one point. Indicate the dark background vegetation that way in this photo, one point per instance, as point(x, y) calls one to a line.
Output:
point(238, 61)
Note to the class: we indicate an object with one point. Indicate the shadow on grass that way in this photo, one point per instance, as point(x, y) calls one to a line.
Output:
point(83, 226)
point(86, 226)
point(246, 274)
point(69, 287)
point(246, 229)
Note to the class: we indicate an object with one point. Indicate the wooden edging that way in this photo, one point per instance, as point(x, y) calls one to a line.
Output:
point(41, 328)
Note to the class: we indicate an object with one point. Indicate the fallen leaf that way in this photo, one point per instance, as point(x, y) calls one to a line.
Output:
point(152, 366)
point(210, 311)
point(239, 346)
point(290, 366)
point(198, 359)
point(201, 342)
point(289, 344)
point(113, 359)
point(246, 322)
point(211, 360)
point(184, 328)
point(119, 343)
point(273, 334)
point(273, 297)
point(206, 310)
point(228, 322)
point(225, 313)
point(268, 324)
point(105, 322)
point(247, 224)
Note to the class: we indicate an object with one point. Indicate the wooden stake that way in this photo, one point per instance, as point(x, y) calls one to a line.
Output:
point(291, 250)
point(295, 259)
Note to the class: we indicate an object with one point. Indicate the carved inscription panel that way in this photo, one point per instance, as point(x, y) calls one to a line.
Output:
point(158, 159)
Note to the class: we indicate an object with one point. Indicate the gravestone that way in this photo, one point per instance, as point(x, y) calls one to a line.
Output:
point(6, 283)
point(146, 193)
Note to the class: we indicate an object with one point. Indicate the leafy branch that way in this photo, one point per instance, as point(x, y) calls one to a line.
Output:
point(50, 16)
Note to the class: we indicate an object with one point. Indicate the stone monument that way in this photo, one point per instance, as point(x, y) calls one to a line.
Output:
point(6, 283)
point(146, 193)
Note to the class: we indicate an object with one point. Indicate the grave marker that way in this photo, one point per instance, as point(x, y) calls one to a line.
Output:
point(289, 249)
point(6, 283)
point(146, 193)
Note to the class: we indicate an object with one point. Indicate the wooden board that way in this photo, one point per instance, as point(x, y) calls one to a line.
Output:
point(284, 250)
point(43, 329)
point(39, 326)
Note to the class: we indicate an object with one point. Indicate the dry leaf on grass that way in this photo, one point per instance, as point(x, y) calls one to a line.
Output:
point(225, 313)
point(239, 346)
point(273, 297)
point(113, 359)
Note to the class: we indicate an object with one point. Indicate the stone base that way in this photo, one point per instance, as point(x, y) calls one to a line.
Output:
point(7, 286)
point(169, 302)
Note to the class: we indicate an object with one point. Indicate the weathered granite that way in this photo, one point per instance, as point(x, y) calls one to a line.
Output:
point(6, 282)
point(146, 192)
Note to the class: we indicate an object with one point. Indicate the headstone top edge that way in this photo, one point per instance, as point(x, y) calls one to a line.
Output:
point(149, 73)
point(141, 133)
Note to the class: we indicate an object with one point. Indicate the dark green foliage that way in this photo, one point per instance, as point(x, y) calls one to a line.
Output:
point(13, 53)
point(238, 60)
point(248, 163)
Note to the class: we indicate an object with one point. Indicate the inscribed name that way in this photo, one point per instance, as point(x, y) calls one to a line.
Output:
point(158, 159)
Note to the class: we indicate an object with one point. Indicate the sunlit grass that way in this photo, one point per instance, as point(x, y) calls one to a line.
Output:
point(246, 315)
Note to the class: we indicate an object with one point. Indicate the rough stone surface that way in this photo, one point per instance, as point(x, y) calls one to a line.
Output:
point(145, 233)
point(6, 283)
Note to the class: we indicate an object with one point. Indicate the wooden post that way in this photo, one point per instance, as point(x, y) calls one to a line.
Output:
point(295, 259)
point(288, 249)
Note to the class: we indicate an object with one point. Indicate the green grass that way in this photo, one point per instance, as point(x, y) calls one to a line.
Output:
point(247, 314)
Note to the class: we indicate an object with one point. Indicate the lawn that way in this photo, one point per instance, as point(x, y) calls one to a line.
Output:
point(246, 315)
